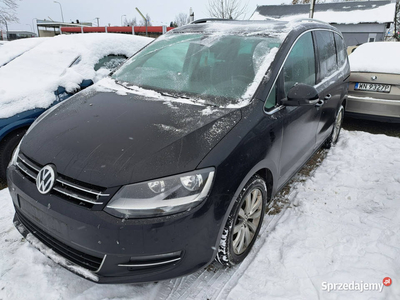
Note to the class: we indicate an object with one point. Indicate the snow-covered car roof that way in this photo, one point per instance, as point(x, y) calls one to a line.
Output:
point(376, 57)
point(13, 49)
point(29, 81)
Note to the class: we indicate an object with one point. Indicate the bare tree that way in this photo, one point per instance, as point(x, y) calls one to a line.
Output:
point(181, 19)
point(226, 9)
point(143, 23)
point(130, 22)
point(7, 11)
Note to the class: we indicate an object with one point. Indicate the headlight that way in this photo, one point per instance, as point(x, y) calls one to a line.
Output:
point(14, 157)
point(162, 197)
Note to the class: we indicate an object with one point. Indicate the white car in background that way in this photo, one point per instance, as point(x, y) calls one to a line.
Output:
point(50, 72)
point(374, 90)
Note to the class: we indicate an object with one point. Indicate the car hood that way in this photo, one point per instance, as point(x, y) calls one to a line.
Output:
point(108, 140)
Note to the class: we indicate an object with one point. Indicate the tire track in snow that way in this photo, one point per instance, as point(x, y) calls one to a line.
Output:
point(216, 281)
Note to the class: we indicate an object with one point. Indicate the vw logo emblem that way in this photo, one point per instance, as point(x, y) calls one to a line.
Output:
point(45, 179)
point(374, 77)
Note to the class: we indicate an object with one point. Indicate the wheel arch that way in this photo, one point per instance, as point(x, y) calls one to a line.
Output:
point(13, 127)
point(266, 174)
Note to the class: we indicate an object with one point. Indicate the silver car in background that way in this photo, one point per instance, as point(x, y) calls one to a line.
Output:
point(374, 91)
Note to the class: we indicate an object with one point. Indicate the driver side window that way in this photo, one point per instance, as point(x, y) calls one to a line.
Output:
point(298, 68)
point(300, 64)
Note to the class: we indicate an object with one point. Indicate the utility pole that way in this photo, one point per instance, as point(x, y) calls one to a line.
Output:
point(312, 5)
point(145, 20)
point(191, 15)
point(33, 26)
point(97, 21)
point(62, 15)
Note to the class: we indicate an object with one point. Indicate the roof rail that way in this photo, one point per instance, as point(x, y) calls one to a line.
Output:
point(199, 21)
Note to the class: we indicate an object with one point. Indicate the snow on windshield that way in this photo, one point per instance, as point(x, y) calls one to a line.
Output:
point(13, 49)
point(218, 63)
point(376, 57)
point(29, 81)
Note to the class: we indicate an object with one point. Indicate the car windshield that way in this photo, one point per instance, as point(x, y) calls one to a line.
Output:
point(216, 68)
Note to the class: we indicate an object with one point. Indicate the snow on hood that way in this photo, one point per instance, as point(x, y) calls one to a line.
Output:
point(376, 57)
point(382, 14)
point(30, 81)
point(11, 50)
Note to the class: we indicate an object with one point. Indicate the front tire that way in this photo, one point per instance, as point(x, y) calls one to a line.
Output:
point(244, 223)
point(7, 147)
point(337, 126)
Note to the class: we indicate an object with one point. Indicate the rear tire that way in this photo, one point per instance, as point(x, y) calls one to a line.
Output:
point(244, 223)
point(7, 147)
point(337, 126)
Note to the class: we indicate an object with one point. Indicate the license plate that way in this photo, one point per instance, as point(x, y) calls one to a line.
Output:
point(374, 87)
point(45, 220)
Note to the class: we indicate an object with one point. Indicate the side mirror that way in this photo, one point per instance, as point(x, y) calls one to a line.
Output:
point(301, 94)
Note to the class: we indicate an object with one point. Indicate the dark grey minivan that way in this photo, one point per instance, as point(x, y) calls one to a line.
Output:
point(169, 163)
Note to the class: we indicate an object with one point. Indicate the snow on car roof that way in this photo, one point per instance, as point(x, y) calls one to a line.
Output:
point(375, 57)
point(29, 81)
point(13, 49)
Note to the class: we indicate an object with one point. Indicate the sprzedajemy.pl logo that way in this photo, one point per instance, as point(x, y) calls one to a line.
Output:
point(356, 286)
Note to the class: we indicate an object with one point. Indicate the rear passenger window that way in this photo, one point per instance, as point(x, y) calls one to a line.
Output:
point(341, 50)
point(327, 53)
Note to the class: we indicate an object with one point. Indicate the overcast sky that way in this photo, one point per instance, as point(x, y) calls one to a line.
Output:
point(161, 12)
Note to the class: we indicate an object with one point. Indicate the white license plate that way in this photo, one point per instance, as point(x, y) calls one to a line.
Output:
point(374, 87)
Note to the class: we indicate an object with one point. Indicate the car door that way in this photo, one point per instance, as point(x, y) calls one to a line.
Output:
point(331, 66)
point(299, 122)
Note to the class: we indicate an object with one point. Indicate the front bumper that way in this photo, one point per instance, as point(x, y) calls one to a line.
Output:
point(367, 106)
point(105, 249)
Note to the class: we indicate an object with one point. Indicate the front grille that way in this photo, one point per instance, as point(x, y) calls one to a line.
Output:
point(84, 260)
point(71, 190)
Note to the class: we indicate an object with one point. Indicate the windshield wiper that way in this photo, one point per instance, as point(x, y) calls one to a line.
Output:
point(121, 84)
point(175, 96)
point(188, 98)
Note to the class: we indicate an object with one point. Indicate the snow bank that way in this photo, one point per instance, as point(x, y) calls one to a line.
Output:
point(13, 49)
point(342, 226)
point(382, 14)
point(30, 81)
point(376, 57)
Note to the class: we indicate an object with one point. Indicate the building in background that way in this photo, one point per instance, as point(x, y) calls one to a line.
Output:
point(47, 28)
point(16, 34)
point(360, 22)
point(151, 31)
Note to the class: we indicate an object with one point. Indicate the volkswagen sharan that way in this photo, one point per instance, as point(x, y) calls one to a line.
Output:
point(169, 163)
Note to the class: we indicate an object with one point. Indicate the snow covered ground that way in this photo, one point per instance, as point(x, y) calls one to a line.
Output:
point(341, 225)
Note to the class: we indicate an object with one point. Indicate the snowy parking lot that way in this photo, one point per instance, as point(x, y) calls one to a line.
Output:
point(337, 237)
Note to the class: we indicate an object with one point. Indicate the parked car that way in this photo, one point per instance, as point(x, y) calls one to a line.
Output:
point(168, 164)
point(51, 72)
point(374, 91)
point(14, 49)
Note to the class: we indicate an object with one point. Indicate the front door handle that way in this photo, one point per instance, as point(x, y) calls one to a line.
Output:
point(320, 103)
point(327, 97)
